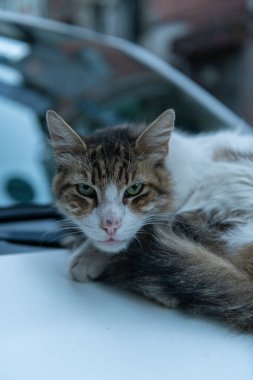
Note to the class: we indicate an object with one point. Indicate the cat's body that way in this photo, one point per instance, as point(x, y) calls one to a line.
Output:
point(191, 212)
point(215, 172)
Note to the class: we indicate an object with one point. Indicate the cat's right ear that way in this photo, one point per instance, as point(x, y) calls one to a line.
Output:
point(63, 137)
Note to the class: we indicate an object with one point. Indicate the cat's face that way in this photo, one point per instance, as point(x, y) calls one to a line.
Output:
point(113, 183)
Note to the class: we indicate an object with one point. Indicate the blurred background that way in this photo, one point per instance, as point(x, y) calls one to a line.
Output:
point(210, 41)
point(94, 81)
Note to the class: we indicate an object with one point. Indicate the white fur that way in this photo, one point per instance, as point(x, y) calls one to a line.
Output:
point(111, 203)
point(200, 182)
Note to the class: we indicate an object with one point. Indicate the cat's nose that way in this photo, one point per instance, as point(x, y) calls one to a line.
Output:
point(110, 226)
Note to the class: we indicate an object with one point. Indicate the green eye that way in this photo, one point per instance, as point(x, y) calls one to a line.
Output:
point(86, 190)
point(134, 190)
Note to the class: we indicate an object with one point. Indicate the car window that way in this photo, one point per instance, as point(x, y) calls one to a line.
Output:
point(23, 176)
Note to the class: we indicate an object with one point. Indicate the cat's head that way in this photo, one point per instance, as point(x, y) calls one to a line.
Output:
point(114, 182)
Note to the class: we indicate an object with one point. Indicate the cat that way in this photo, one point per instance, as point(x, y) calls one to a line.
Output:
point(167, 215)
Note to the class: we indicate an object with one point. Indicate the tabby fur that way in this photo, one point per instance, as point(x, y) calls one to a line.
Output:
point(186, 238)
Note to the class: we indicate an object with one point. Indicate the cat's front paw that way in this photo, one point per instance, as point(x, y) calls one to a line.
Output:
point(87, 266)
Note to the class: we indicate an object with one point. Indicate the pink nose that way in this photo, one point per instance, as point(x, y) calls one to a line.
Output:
point(110, 226)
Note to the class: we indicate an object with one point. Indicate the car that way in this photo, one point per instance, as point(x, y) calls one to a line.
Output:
point(52, 327)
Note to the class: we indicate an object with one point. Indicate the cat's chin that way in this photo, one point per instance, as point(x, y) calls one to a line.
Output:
point(111, 246)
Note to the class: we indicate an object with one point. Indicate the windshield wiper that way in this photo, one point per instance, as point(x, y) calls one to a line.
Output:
point(53, 239)
point(33, 226)
point(28, 212)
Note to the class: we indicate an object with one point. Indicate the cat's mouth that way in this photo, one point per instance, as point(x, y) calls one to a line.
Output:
point(111, 245)
point(111, 241)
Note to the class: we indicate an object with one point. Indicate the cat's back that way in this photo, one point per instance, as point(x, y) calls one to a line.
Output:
point(212, 168)
point(215, 144)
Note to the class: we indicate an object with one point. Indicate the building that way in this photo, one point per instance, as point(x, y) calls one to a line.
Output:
point(211, 41)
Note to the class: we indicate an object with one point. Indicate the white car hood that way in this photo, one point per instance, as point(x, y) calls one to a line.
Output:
point(54, 328)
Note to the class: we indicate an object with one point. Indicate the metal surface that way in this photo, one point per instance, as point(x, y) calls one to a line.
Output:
point(53, 328)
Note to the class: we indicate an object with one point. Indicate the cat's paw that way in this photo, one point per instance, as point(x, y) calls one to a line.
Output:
point(87, 266)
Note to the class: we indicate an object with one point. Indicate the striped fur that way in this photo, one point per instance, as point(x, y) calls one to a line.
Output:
point(174, 269)
point(186, 239)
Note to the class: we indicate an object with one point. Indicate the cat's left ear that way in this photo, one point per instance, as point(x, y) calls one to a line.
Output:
point(155, 138)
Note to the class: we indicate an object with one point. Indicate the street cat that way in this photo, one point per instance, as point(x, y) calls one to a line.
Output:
point(167, 215)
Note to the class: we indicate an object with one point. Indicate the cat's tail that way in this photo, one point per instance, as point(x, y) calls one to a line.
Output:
point(176, 268)
point(205, 282)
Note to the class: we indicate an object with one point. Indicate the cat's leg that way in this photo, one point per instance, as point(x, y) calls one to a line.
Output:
point(154, 293)
point(87, 263)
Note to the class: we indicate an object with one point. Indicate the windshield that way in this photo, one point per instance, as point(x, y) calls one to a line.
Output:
point(91, 85)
